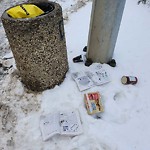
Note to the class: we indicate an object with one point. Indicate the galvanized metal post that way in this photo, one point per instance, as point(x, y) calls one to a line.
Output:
point(105, 22)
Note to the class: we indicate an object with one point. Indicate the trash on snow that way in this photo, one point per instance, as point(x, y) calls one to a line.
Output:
point(92, 77)
point(63, 123)
point(93, 103)
point(129, 80)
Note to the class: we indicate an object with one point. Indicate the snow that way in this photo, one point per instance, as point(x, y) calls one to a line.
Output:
point(124, 124)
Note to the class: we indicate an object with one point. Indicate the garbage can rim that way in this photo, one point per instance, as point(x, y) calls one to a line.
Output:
point(53, 4)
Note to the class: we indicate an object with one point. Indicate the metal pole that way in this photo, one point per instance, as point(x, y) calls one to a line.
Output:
point(105, 22)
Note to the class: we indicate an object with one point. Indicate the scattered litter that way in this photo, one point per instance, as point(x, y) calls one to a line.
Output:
point(63, 123)
point(5, 58)
point(5, 66)
point(98, 76)
point(7, 63)
point(8, 56)
point(129, 80)
point(92, 77)
point(93, 103)
point(82, 80)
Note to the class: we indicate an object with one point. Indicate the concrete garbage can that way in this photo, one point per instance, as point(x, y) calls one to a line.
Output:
point(39, 47)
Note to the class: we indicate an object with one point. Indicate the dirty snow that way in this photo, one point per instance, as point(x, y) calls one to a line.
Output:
point(124, 125)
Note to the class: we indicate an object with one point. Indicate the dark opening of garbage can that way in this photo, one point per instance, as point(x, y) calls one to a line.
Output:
point(46, 7)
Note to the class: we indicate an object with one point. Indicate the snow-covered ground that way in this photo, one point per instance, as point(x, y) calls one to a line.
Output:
point(124, 124)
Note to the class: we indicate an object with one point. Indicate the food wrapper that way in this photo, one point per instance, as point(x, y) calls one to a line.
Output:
point(93, 103)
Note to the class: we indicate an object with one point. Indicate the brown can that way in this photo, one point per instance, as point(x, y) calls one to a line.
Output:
point(129, 80)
